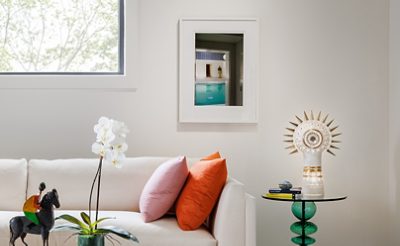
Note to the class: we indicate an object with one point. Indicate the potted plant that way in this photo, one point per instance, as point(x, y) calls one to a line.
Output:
point(89, 234)
point(110, 146)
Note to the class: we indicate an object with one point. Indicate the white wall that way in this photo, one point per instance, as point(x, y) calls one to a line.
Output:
point(394, 116)
point(314, 54)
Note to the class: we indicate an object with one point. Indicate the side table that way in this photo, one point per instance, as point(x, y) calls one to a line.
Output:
point(304, 209)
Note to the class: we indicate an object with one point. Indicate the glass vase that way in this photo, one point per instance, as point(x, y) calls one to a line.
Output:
point(91, 240)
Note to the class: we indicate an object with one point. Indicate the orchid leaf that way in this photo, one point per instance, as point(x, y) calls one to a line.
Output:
point(101, 220)
point(86, 232)
point(66, 228)
point(86, 219)
point(119, 232)
point(73, 220)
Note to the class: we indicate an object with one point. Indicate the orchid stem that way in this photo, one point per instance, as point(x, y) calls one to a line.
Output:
point(91, 189)
point(98, 190)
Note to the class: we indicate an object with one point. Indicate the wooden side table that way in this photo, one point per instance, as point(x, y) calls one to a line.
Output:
point(304, 209)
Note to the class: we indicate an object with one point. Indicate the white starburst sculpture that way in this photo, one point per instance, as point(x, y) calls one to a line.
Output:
point(312, 136)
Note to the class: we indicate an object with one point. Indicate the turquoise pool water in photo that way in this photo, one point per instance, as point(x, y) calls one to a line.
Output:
point(209, 94)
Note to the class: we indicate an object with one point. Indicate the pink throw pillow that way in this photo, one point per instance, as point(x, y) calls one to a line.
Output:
point(162, 189)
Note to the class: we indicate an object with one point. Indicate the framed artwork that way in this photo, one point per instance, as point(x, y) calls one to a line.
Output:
point(218, 70)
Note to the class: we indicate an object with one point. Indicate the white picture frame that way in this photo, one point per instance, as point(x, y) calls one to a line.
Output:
point(188, 111)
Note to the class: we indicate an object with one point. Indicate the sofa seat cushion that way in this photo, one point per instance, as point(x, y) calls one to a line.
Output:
point(164, 231)
point(4, 225)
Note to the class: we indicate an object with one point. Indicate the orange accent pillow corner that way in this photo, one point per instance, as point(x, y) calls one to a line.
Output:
point(213, 156)
point(202, 189)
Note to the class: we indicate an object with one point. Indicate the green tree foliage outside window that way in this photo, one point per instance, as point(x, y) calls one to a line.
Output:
point(60, 36)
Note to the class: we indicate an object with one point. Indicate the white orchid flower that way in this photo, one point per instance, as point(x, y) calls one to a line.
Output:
point(105, 136)
point(117, 141)
point(115, 158)
point(99, 149)
point(120, 147)
point(110, 140)
point(103, 123)
point(120, 129)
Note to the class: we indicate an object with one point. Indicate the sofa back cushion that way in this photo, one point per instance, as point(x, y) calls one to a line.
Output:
point(120, 187)
point(13, 175)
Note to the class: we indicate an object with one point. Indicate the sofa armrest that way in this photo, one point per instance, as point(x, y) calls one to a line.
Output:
point(233, 221)
point(250, 220)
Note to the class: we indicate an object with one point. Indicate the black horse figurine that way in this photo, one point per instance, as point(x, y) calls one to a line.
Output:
point(20, 226)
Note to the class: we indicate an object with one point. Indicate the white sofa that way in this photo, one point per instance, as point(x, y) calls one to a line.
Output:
point(231, 224)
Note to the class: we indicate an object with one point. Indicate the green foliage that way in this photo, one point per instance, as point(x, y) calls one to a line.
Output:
point(59, 36)
point(87, 227)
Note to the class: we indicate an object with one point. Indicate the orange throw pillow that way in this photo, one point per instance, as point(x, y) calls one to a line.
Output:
point(201, 191)
point(213, 156)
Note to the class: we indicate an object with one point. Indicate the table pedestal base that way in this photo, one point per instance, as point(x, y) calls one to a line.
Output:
point(303, 211)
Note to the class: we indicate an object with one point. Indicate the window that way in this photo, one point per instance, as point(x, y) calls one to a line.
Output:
point(61, 36)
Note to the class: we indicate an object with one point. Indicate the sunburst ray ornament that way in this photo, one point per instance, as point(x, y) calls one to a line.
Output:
point(312, 136)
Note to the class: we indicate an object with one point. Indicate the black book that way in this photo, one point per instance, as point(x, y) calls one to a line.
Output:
point(287, 191)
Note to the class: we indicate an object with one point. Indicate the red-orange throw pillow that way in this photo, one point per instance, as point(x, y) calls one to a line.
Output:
point(200, 193)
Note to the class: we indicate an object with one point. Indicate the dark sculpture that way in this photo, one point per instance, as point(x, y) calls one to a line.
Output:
point(20, 226)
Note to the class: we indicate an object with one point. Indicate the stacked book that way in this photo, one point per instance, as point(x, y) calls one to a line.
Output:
point(292, 193)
